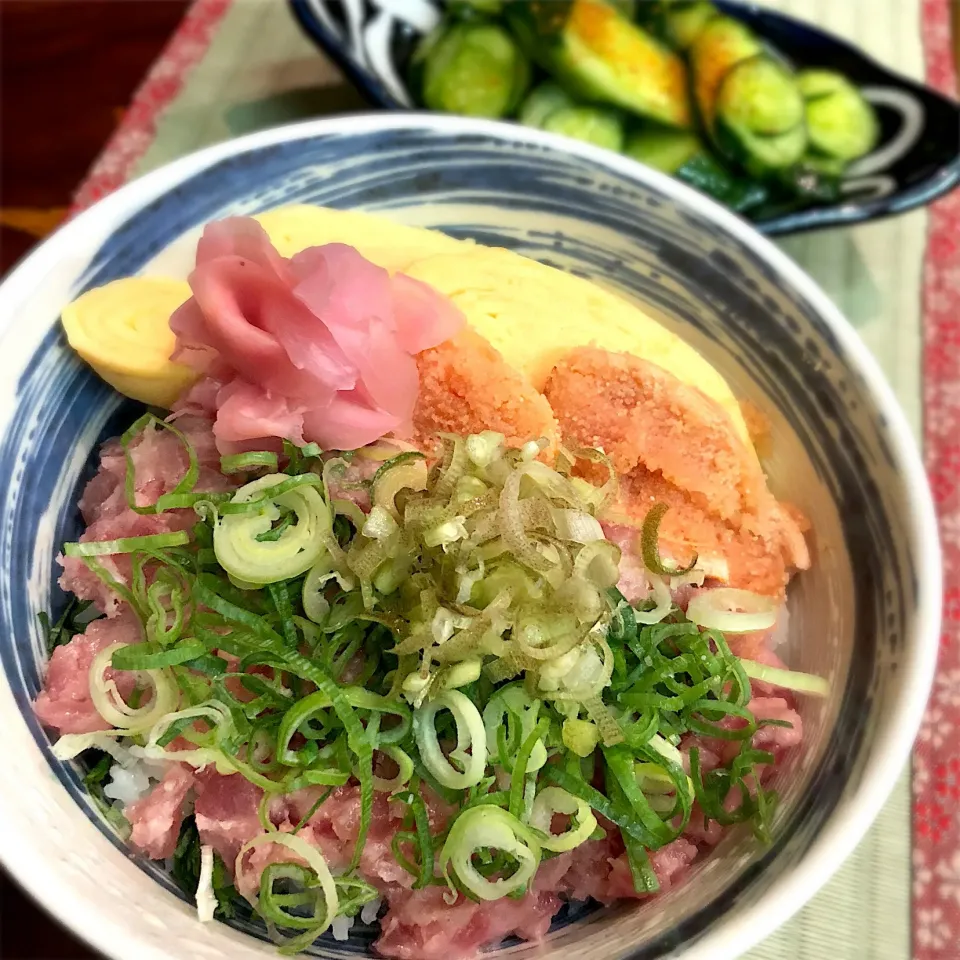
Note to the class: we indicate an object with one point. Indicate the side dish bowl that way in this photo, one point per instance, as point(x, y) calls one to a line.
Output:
point(915, 161)
point(866, 615)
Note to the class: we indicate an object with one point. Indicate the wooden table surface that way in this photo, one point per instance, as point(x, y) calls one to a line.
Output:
point(68, 68)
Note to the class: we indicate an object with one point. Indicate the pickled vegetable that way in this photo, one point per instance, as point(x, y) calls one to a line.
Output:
point(474, 9)
point(600, 55)
point(686, 21)
point(719, 109)
point(760, 116)
point(840, 122)
point(475, 69)
point(542, 101)
point(663, 148)
point(708, 176)
point(721, 45)
point(596, 125)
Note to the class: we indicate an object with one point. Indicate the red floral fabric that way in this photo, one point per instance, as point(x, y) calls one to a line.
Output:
point(936, 762)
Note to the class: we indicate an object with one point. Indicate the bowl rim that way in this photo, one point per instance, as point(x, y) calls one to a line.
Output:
point(847, 824)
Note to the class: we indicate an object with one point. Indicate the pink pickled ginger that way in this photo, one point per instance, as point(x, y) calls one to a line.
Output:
point(318, 348)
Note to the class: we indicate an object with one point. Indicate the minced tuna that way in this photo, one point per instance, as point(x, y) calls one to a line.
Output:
point(416, 924)
point(302, 349)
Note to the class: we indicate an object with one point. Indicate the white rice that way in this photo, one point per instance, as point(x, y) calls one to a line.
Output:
point(132, 776)
point(341, 927)
point(781, 628)
point(369, 911)
point(126, 784)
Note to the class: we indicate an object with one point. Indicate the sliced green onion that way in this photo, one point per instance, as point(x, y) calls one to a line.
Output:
point(514, 704)
point(576, 525)
point(600, 714)
point(518, 779)
point(462, 673)
point(484, 448)
point(296, 549)
point(404, 771)
point(599, 563)
point(317, 804)
point(666, 750)
point(482, 828)
point(214, 713)
point(451, 467)
point(152, 656)
point(511, 524)
point(786, 679)
point(662, 599)
point(240, 462)
point(297, 663)
point(619, 814)
point(591, 673)
point(278, 908)
point(165, 606)
point(598, 496)
point(301, 713)
point(423, 838)
point(740, 687)
point(297, 457)
point(644, 879)
point(183, 491)
point(406, 471)
point(650, 545)
point(350, 510)
point(315, 604)
point(379, 524)
point(102, 548)
point(112, 707)
point(697, 718)
point(318, 866)
point(541, 638)
point(580, 736)
point(652, 778)
point(313, 777)
point(281, 484)
point(471, 736)
point(620, 765)
point(503, 563)
point(553, 800)
point(732, 610)
point(307, 708)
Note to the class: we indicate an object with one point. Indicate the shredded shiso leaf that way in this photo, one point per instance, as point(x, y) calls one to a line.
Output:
point(73, 620)
point(468, 628)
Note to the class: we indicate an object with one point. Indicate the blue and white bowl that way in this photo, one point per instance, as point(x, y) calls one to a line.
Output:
point(866, 615)
point(916, 160)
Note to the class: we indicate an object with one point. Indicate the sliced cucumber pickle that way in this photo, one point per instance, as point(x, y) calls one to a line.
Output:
point(840, 122)
point(596, 125)
point(663, 148)
point(720, 46)
point(760, 116)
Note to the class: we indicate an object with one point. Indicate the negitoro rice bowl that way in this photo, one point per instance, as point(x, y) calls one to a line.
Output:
point(394, 606)
point(277, 668)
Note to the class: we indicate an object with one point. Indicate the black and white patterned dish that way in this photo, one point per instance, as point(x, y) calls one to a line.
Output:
point(916, 161)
